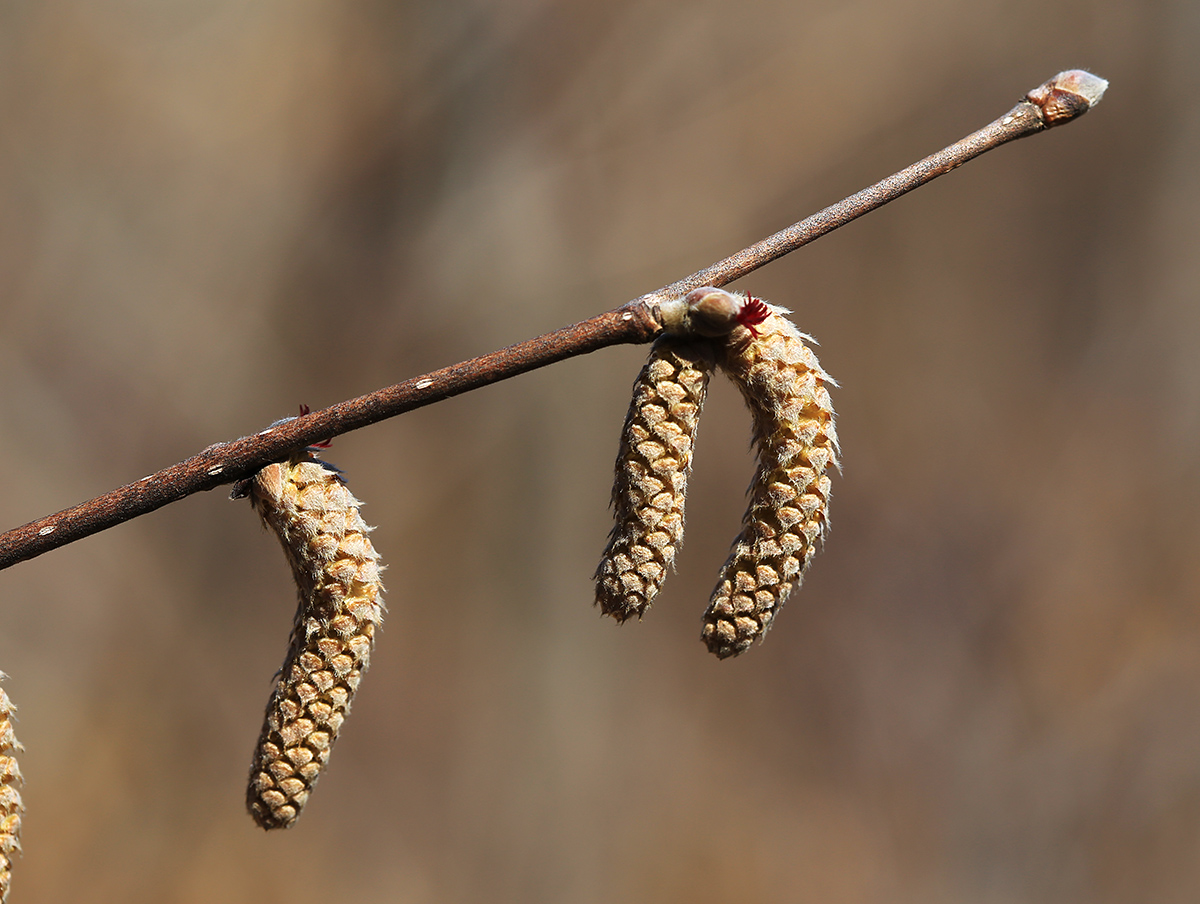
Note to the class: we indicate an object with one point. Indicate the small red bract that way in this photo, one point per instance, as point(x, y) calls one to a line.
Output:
point(752, 313)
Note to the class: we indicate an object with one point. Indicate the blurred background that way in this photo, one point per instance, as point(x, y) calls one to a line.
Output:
point(988, 689)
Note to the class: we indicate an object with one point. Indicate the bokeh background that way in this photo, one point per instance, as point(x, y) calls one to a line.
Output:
point(988, 689)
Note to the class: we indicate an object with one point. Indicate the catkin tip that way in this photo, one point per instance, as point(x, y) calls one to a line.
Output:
point(307, 505)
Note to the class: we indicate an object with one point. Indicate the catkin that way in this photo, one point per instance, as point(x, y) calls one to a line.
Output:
point(11, 806)
point(651, 475)
point(309, 507)
point(786, 390)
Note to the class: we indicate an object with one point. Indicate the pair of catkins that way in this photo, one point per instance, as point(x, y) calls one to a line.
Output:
point(786, 389)
point(307, 504)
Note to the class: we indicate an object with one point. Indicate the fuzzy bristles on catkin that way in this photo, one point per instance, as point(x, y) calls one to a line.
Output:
point(787, 393)
point(308, 506)
point(11, 807)
point(651, 475)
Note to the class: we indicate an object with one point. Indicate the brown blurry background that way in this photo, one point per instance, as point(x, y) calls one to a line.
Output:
point(988, 689)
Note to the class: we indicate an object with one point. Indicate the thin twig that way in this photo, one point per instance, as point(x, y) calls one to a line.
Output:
point(1065, 97)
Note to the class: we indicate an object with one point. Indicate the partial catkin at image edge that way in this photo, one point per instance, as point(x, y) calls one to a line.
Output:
point(11, 805)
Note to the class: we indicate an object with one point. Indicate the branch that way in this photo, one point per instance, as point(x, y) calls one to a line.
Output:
point(1063, 98)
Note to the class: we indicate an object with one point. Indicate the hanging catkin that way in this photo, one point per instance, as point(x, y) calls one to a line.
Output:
point(308, 506)
point(651, 475)
point(787, 393)
point(11, 806)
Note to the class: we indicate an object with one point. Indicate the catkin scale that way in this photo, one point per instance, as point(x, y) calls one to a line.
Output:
point(786, 390)
point(11, 806)
point(308, 506)
point(652, 468)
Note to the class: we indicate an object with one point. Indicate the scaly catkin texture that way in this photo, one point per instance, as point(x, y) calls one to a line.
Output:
point(786, 391)
point(651, 475)
point(308, 506)
point(11, 807)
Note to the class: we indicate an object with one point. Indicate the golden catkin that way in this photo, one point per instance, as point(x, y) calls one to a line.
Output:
point(308, 506)
point(786, 390)
point(651, 475)
point(11, 806)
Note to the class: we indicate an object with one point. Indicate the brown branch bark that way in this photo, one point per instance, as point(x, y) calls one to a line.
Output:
point(1063, 98)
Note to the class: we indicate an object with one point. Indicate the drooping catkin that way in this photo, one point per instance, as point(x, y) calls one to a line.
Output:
point(787, 393)
point(651, 475)
point(11, 806)
point(309, 507)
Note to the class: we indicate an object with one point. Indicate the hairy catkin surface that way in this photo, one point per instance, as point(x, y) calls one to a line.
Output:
point(11, 806)
point(308, 506)
point(651, 475)
point(786, 390)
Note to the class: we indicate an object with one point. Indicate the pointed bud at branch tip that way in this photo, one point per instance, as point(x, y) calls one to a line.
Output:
point(1068, 95)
